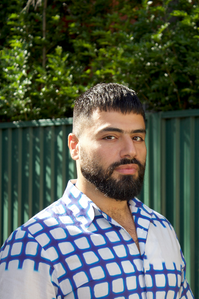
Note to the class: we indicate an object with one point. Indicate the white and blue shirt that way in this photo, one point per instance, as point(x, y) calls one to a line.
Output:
point(73, 250)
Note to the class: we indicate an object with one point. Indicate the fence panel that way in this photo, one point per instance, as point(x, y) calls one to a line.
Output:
point(35, 166)
point(171, 184)
point(180, 183)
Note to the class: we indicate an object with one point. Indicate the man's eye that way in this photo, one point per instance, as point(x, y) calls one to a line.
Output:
point(109, 138)
point(137, 138)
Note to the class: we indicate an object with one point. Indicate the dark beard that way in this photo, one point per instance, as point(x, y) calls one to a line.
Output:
point(124, 188)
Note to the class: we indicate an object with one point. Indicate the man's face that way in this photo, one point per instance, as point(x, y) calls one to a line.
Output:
point(112, 153)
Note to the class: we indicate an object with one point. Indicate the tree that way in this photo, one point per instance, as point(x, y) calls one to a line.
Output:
point(39, 2)
point(150, 46)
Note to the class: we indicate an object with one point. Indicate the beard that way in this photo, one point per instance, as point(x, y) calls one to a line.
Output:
point(124, 188)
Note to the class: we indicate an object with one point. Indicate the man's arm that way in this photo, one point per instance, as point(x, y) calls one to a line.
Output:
point(25, 271)
point(185, 290)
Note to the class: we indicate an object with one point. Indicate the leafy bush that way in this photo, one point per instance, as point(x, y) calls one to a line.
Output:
point(150, 46)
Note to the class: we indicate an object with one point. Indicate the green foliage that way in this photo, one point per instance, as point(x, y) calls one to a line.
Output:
point(150, 46)
point(57, 90)
point(168, 58)
point(28, 90)
point(16, 81)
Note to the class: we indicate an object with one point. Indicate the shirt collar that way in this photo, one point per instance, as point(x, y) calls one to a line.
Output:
point(82, 207)
point(85, 210)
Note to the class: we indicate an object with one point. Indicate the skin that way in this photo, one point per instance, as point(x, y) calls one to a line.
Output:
point(110, 137)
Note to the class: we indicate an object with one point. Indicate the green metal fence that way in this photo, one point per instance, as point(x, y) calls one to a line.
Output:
point(35, 166)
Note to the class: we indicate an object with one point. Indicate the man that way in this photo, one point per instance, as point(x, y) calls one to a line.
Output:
point(98, 240)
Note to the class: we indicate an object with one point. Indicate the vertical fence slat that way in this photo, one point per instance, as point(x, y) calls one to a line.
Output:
point(156, 163)
point(59, 162)
point(176, 202)
point(154, 178)
point(5, 147)
point(41, 180)
point(163, 166)
point(19, 176)
point(146, 193)
point(186, 194)
point(52, 164)
point(196, 211)
point(1, 189)
point(64, 158)
point(30, 173)
point(71, 167)
point(9, 185)
point(192, 202)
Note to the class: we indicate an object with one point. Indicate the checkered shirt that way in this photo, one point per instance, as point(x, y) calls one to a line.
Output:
point(73, 250)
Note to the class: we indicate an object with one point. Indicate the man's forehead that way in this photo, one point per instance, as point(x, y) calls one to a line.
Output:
point(114, 115)
point(97, 113)
point(117, 121)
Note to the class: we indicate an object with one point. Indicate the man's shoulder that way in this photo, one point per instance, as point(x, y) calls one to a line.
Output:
point(54, 214)
point(35, 224)
point(156, 218)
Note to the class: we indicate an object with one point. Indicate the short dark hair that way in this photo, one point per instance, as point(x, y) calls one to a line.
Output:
point(107, 97)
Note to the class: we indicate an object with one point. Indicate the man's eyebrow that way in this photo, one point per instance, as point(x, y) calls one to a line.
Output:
point(113, 129)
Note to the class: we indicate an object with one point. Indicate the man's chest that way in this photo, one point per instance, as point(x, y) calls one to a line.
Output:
point(107, 264)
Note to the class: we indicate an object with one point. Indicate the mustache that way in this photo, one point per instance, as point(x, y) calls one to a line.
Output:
point(123, 162)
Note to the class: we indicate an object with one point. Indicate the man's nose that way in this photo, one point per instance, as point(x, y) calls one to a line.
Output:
point(128, 149)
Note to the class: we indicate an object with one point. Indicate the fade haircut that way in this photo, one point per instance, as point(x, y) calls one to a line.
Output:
point(105, 97)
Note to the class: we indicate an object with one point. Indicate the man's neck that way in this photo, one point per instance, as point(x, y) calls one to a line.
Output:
point(110, 206)
point(116, 209)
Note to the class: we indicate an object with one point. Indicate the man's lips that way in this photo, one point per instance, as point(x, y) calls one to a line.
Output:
point(127, 169)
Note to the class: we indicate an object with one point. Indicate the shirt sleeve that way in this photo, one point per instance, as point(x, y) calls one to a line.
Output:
point(25, 271)
point(185, 290)
point(164, 261)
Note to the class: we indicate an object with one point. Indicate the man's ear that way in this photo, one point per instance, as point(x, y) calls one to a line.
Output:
point(73, 144)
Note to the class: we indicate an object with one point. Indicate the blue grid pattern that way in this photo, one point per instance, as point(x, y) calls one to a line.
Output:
point(88, 255)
